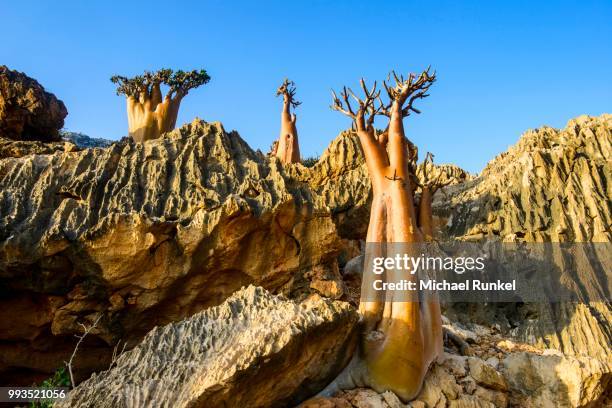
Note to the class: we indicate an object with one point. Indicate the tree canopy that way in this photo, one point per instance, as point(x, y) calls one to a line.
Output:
point(179, 82)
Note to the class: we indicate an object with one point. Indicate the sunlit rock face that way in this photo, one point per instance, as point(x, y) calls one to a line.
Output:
point(552, 186)
point(146, 234)
point(27, 111)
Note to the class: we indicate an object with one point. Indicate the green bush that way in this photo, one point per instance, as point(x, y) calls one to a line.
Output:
point(60, 379)
point(310, 161)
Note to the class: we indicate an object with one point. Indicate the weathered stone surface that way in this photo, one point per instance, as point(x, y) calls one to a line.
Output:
point(448, 384)
point(552, 186)
point(17, 148)
point(523, 379)
point(27, 111)
point(486, 375)
point(151, 233)
point(254, 350)
point(558, 381)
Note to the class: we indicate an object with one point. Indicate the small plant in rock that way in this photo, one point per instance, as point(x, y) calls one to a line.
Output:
point(310, 161)
point(60, 379)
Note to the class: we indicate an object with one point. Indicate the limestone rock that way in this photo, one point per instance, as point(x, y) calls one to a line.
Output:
point(17, 148)
point(552, 186)
point(486, 375)
point(152, 233)
point(448, 174)
point(27, 111)
point(558, 381)
point(255, 350)
point(449, 383)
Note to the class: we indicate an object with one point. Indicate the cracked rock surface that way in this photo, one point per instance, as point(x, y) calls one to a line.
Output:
point(153, 233)
point(146, 234)
point(253, 350)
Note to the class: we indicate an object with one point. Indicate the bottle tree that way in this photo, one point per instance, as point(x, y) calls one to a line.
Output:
point(287, 148)
point(428, 184)
point(150, 114)
point(401, 336)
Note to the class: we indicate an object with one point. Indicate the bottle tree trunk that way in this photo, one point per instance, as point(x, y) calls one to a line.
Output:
point(402, 336)
point(149, 117)
point(425, 212)
point(402, 330)
point(288, 148)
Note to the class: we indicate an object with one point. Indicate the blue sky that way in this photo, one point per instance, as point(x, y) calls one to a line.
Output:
point(503, 67)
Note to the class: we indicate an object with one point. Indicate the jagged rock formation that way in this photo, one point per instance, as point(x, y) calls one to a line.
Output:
point(449, 173)
point(552, 186)
point(152, 233)
point(550, 178)
point(70, 142)
point(254, 350)
point(84, 141)
point(27, 111)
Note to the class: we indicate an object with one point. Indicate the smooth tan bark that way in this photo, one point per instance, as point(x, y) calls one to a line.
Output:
point(288, 148)
point(425, 213)
point(149, 117)
point(402, 336)
point(411, 330)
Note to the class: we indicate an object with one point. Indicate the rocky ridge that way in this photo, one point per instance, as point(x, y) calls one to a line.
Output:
point(552, 186)
point(84, 141)
point(151, 233)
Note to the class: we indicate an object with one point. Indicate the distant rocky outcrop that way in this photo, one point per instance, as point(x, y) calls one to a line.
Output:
point(254, 350)
point(70, 142)
point(83, 141)
point(27, 111)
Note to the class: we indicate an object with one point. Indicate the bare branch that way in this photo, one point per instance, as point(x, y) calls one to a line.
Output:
point(287, 89)
point(117, 354)
point(86, 331)
point(368, 108)
point(433, 184)
point(410, 90)
point(338, 106)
